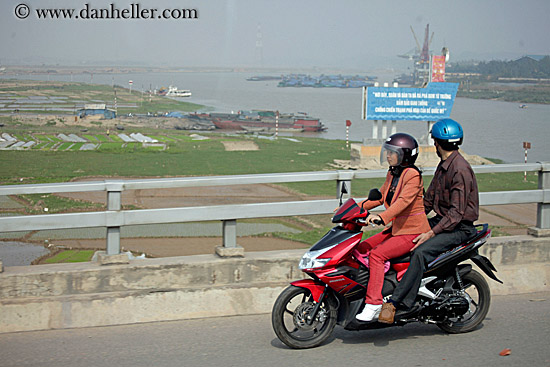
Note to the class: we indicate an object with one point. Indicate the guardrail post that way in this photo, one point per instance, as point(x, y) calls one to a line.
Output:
point(543, 209)
point(229, 233)
point(114, 202)
point(229, 247)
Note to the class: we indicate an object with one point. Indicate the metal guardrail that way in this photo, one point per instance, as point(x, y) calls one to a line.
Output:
point(114, 217)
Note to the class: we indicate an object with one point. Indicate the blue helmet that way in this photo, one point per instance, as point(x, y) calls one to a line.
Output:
point(448, 132)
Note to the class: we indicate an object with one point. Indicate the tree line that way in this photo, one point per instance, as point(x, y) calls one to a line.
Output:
point(525, 67)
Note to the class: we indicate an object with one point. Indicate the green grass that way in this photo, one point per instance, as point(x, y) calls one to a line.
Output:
point(176, 138)
point(64, 146)
point(487, 182)
point(70, 256)
point(111, 147)
point(162, 138)
point(36, 203)
point(188, 157)
point(76, 146)
point(48, 146)
point(23, 137)
point(154, 148)
point(91, 138)
point(115, 138)
point(53, 138)
point(102, 138)
point(39, 145)
point(42, 137)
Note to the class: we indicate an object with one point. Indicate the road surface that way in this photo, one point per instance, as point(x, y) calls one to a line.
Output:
point(519, 322)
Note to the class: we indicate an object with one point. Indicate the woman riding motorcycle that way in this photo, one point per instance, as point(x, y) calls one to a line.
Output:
point(402, 196)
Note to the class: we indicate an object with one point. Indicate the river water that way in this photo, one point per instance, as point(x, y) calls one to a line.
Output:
point(13, 253)
point(493, 129)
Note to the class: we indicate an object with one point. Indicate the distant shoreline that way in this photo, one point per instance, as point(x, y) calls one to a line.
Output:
point(508, 92)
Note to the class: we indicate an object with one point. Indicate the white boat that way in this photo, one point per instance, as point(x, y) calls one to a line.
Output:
point(175, 92)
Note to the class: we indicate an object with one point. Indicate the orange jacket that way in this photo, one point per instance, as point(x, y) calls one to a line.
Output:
point(406, 209)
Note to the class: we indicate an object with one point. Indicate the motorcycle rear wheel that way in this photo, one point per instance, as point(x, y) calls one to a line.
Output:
point(289, 319)
point(479, 297)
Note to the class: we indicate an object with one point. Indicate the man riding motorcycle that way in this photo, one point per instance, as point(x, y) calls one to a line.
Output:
point(452, 295)
point(453, 196)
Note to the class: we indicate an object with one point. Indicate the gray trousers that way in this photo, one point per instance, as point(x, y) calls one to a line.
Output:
point(407, 289)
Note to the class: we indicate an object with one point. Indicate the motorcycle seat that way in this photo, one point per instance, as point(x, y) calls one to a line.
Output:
point(480, 234)
point(464, 247)
point(401, 259)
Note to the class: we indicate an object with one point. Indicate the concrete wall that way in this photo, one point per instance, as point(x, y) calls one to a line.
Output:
point(88, 294)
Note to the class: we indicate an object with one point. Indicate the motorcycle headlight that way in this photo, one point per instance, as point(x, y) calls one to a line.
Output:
point(310, 259)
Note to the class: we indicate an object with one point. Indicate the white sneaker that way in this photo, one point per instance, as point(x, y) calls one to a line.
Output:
point(369, 313)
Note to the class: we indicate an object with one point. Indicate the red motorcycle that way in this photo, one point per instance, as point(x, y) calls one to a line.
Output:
point(452, 295)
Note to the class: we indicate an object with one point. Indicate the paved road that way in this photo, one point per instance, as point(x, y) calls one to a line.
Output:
point(520, 322)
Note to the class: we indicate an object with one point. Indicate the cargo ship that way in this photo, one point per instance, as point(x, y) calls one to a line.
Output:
point(326, 81)
point(174, 92)
point(263, 78)
point(265, 121)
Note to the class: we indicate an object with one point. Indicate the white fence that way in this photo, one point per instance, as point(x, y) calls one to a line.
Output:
point(114, 218)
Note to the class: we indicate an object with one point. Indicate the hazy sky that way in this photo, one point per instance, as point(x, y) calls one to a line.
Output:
point(323, 33)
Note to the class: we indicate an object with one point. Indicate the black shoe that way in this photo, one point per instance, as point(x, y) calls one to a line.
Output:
point(402, 313)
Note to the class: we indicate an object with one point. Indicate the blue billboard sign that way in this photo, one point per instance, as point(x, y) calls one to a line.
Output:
point(431, 103)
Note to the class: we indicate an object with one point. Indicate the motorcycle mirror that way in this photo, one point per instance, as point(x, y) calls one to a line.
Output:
point(343, 190)
point(374, 195)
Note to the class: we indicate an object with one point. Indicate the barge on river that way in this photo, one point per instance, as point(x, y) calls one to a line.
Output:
point(262, 121)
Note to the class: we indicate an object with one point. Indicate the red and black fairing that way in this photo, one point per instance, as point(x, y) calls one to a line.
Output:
point(348, 213)
point(339, 273)
point(346, 272)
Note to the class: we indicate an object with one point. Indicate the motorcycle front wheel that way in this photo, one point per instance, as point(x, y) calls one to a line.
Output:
point(290, 318)
point(477, 292)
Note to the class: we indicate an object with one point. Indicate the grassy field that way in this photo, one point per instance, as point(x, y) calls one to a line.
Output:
point(535, 93)
point(184, 156)
point(187, 157)
point(70, 256)
point(59, 97)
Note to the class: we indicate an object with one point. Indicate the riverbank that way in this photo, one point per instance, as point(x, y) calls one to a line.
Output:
point(26, 99)
point(508, 92)
point(531, 91)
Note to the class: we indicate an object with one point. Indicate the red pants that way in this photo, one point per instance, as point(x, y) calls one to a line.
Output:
point(383, 247)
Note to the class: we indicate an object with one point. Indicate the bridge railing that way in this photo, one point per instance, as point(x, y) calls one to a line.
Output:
point(114, 217)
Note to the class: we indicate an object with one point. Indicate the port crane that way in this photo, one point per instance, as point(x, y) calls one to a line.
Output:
point(420, 54)
point(420, 57)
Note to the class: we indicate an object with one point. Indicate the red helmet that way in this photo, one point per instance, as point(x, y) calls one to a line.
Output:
point(404, 145)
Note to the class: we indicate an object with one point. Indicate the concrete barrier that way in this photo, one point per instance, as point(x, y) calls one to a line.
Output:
point(87, 294)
